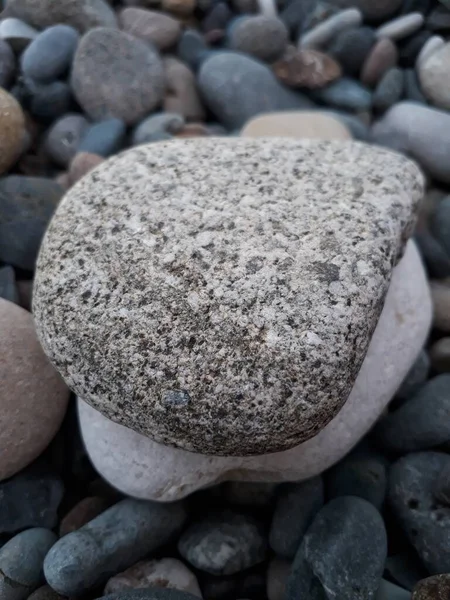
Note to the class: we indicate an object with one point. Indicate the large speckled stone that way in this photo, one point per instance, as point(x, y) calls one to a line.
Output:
point(220, 295)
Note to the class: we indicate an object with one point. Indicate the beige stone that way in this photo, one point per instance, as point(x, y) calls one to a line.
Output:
point(33, 398)
point(81, 164)
point(440, 293)
point(151, 26)
point(299, 124)
point(12, 130)
point(168, 573)
point(181, 96)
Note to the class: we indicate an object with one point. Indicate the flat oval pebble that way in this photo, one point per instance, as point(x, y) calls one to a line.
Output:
point(425, 520)
point(433, 75)
point(306, 68)
point(111, 542)
point(263, 37)
point(381, 58)
point(12, 130)
point(140, 467)
point(154, 27)
point(50, 55)
point(342, 554)
point(401, 27)
point(323, 33)
point(345, 93)
point(224, 544)
point(81, 14)
point(389, 89)
point(236, 88)
point(194, 396)
point(107, 76)
point(103, 138)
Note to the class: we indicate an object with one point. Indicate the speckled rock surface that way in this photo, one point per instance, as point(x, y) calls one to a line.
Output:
point(220, 332)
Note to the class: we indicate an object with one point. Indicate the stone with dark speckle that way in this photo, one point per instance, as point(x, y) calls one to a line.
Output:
point(436, 587)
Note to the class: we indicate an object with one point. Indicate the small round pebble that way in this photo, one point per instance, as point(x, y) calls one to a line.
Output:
point(104, 138)
point(113, 541)
point(63, 138)
point(12, 130)
point(263, 37)
point(440, 355)
point(182, 96)
point(50, 54)
point(107, 76)
point(192, 48)
point(151, 26)
point(224, 544)
point(440, 295)
point(306, 68)
point(86, 510)
point(342, 554)
point(389, 89)
point(21, 561)
point(425, 521)
point(436, 587)
point(157, 127)
point(433, 75)
point(383, 56)
point(433, 44)
point(351, 48)
point(296, 507)
point(7, 64)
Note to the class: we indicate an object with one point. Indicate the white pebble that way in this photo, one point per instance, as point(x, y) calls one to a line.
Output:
point(401, 27)
point(429, 48)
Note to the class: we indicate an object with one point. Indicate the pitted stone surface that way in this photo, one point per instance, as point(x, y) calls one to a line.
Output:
point(219, 295)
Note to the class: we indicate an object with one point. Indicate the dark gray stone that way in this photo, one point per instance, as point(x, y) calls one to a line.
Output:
point(417, 376)
point(250, 493)
point(295, 13)
point(361, 474)
point(192, 48)
point(7, 64)
point(412, 90)
point(104, 138)
point(157, 127)
point(345, 93)
point(409, 6)
point(296, 506)
point(342, 555)
point(439, 19)
point(442, 486)
point(435, 257)
point(263, 37)
point(26, 206)
point(236, 88)
point(410, 48)
point(63, 138)
point(405, 568)
point(150, 594)
point(440, 223)
point(30, 499)
point(421, 423)
point(21, 562)
point(110, 543)
point(389, 89)
point(217, 18)
point(8, 289)
point(50, 54)
point(424, 519)
point(224, 543)
point(48, 102)
point(351, 47)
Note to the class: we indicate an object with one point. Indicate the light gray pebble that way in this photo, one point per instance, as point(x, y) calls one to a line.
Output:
point(345, 93)
point(323, 33)
point(224, 544)
point(50, 55)
point(401, 27)
point(389, 89)
point(63, 138)
point(21, 562)
point(8, 289)
point(110, 543)
point(17, 33)
point(263, 37)
point(157, 127)
point(432, 45)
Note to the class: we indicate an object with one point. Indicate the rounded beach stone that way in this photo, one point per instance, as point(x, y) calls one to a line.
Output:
point(107, 76)
point(389, 89)
point(343, 552)
point(436, 587)
point(322, 34)
point(157, 127)
point(151, 26)
point(351, 48)
point(182, 95)
point(12, 130)
point(221, 284)
point(306, 68)
point(140, 467)
point(401, 27)
point(113, 541)
point(50, 55)
point(263, 37)
point(63, 138)
point(81, 14)
point(33, 399)
point(168, 573)
point(433, 75)
point(383, 56)
point(103, 138)
point(300, 124)
point(81, 164)
point(224, 543)
point(345, 93)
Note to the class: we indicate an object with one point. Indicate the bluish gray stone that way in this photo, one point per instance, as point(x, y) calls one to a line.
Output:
point(342, 554)
point(157, 127)
point(8, 289)
point(417, 376)
point(26, 206)
point(295, 14)
point(411, 47)
point(361, 474)
point(425, 520)
point(236, 88)
point(30, 499)
point(263, 37)
point(224, 543)
point(192, 48)
point(440, 223)
point(412, 87)
point(351, 47)
point(358, 129)
point(110, 543)
point(104, 138)
point(345, 93)
point(405, 568)
point(63, 138)
point(21, 562)
point(48, 102)
point(389, 89)
point(297, 505)
point(421, 423)
point(50, 55)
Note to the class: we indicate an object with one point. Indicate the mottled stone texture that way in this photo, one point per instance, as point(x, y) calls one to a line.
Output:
point(219, 295)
